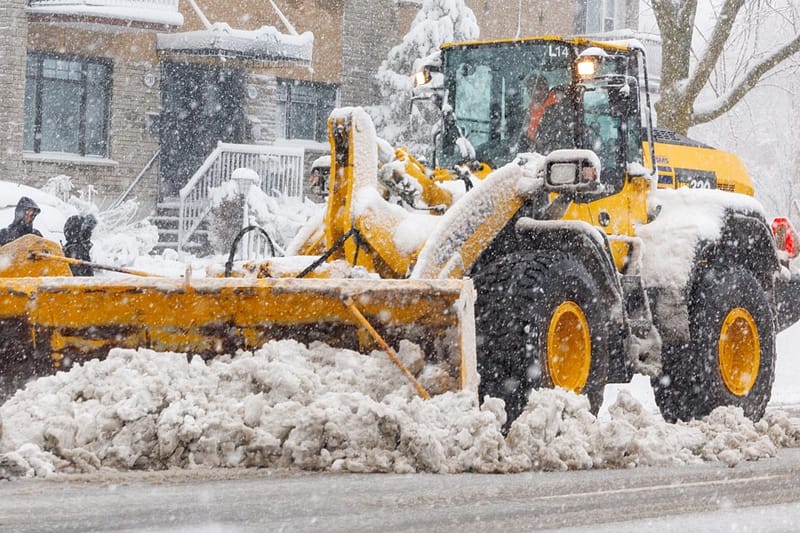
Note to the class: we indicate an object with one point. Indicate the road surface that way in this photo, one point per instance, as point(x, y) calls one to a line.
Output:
point(756, 496)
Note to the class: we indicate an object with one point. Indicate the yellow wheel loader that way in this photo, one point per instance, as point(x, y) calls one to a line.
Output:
point(592, 253)
point(598, 246)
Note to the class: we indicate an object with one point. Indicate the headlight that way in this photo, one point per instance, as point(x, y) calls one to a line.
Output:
point(422, 77)
point(587, 68)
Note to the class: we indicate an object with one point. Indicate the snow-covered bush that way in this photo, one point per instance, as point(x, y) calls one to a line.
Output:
point(280, 216)
point(438, 22)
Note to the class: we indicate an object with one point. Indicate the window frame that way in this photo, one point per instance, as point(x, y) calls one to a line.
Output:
point(283, 128)
point(106, 90)
point(618, 9)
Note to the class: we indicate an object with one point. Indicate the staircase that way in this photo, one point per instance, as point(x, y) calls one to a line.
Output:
point(167, 220)
point(182, 222)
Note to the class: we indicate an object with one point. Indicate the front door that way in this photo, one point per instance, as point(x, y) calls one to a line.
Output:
point(202, 104)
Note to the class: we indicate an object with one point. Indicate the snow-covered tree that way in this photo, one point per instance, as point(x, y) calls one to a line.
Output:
point(743, 45)
point(437, 22)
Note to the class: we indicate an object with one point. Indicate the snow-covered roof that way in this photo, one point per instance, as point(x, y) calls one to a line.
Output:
point(148, 12)
point(265, 43)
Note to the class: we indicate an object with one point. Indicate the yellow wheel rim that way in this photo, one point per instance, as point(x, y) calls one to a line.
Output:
point(569, 347)
point(739, 351)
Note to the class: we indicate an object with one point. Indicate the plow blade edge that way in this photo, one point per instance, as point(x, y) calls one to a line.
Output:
point(48, 323)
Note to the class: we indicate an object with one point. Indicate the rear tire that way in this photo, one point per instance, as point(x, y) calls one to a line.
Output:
point(541, 322)
point(730, 359)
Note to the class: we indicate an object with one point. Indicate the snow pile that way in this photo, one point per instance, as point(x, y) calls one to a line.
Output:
point(122, 243)
point(287, 405)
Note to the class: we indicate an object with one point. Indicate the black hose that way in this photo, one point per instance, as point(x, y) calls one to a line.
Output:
point(338, 244)
point(229, 263)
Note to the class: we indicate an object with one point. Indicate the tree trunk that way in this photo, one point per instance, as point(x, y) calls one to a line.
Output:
point(676, 23)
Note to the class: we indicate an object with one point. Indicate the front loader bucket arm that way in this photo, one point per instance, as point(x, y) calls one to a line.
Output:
point(355, 202)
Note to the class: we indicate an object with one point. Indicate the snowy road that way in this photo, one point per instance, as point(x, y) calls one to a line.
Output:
point(755, 496)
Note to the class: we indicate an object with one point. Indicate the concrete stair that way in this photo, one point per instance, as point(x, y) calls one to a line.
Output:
point(166, 220)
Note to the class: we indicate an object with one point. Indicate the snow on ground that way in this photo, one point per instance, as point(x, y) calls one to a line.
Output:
point(288, 405)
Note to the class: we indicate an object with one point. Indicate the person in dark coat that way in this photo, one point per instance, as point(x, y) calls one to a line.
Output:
point(78, 232)
point(24, 214)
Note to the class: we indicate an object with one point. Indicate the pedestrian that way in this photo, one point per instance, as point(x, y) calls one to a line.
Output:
point(78, 232)
point(24, 215)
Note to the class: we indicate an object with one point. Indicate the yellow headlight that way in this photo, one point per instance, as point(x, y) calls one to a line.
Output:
point(587, 67)
point(422, 77)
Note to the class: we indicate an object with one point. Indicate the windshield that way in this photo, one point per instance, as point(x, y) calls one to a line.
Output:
point(501, 95)
point(611, 118)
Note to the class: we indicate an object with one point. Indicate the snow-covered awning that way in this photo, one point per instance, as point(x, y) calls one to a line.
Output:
point(266, 43)
point(159, 14)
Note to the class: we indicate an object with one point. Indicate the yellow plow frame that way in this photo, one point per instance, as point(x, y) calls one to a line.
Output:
point(51, 322)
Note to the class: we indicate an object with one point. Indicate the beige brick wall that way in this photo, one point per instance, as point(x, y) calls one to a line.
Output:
point(499, 19)
point(131, 146)
point(260, 107)
point(13, 36)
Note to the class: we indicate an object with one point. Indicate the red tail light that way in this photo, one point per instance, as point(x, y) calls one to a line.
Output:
point(786, 238)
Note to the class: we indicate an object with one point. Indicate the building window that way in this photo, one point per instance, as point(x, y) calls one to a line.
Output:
point(604, 15)
point(67, 103)
point(303, 109)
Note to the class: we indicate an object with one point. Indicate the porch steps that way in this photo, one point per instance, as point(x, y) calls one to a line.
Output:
point(166, 220)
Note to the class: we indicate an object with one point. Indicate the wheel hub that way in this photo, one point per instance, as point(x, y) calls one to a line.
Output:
point(569, 347)
point(739, 351)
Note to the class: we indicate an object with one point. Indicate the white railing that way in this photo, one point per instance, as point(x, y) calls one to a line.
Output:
point(280, 169)
point(170, 5)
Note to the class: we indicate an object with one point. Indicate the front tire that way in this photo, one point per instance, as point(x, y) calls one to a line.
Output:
point(541, 322)
point(730, 359)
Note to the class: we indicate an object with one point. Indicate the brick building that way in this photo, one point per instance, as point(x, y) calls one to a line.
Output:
point(130, 96)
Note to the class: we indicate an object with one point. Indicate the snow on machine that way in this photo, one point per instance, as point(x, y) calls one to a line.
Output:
point(598, 247)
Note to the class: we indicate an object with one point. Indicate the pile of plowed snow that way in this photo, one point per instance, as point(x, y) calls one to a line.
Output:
point(292, 406)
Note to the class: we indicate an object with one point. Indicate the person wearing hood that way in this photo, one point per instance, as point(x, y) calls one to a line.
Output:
point(24, 214)
point(78, 232)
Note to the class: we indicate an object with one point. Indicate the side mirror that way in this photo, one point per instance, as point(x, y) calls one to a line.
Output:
point(572, 171)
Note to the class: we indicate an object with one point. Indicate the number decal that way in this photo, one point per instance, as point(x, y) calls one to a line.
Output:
point(696, 179)
point(699, 184)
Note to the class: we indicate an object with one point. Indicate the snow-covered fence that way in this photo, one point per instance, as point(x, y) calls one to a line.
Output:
point(279, 167)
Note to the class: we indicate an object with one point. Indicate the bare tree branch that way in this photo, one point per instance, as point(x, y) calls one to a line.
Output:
point(752, 78)
point(716, 45)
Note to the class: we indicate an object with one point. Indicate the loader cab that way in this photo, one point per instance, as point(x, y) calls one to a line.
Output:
point(485, 87)
point(487, 108)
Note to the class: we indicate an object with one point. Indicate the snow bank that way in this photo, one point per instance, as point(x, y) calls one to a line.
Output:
point(292, 406)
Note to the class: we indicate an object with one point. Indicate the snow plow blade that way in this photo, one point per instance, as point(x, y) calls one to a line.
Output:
point(50, 323)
